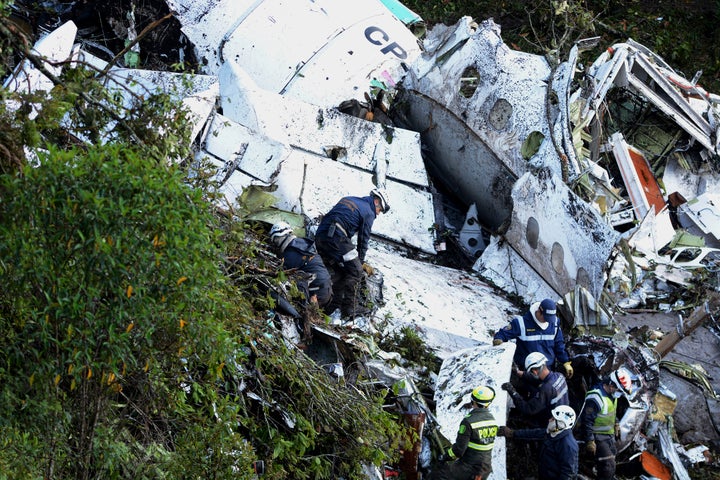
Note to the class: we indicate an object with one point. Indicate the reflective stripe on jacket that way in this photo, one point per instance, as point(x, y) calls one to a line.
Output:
point(476, 438)
point(531, 338)
point(607, 409)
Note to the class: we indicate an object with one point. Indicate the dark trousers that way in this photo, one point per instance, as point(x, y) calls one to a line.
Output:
point(458, 470)
point(346, 274)
point(605, 457)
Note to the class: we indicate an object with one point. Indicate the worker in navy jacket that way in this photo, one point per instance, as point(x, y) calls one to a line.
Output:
point(558, 458)
point(349, 217)
point(538, 330)
point(300, 253)
point(551, 391)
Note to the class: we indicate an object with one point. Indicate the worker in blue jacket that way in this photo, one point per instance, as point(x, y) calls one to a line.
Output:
point(559, 451)
point(538, 330)
point(551, 391)
point(300, 253)
point(349, 217)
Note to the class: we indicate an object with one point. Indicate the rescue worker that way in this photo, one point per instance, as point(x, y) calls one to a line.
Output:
point(599, 421)
point(350, 216)
point(300, 253)
point(538, 330)
point(558, 458)
point(551, 391)
point(470, 457)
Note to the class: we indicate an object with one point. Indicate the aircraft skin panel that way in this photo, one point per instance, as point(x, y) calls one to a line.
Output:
point(563, 238)
point(328, 50)
point(464, 163)
point(370, 50)
point(261, 156)
point(206, 24)
point(458, 375)
point(56, 47)
point(312, 185)
point(326, 132)
point(641, 185)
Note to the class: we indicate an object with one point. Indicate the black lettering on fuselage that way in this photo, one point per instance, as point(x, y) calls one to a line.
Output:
point(377, 36)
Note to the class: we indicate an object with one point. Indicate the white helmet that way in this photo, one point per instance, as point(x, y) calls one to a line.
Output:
point(565, 417)
point(535, 360)
point(279, 231)
point(381, 195)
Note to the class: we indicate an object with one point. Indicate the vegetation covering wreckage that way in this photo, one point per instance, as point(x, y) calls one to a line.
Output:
point(516, 141)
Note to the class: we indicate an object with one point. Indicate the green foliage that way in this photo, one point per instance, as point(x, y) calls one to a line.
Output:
point(110, 277)
point(312, 426)
point(411, 347)
point(683, 33)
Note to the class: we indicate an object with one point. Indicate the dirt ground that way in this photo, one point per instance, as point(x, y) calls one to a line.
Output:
point(701, 347)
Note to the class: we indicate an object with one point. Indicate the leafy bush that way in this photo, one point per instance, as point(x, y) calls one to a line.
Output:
point(111, 278)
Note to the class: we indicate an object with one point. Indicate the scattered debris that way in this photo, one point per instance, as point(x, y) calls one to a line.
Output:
point(596, 187)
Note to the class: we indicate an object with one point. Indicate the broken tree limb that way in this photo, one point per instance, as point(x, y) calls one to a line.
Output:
point(685, 327)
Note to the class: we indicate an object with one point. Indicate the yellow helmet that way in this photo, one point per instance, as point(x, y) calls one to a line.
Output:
point(483, 395)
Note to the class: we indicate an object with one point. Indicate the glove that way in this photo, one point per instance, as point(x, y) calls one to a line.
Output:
point(496, 342)
point(505, 432)
point(568, 369)
point(368, 269)
point(617, 431)
point(508, 387)
point(590, 447)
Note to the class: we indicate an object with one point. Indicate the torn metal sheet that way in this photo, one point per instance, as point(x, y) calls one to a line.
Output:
point(312, 156)
point(322, 52)
point(197, 92)
point(382, 150)
point(667, 447)
point(55, 47)
point(502, 143)
point(560, 237)
point(595, 355)
point(640, 182)
point(632, 65)
point(459, 374)
point(584, 311)
point(703, 212)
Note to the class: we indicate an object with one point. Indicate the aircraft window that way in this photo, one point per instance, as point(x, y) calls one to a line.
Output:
point(686, 254)
point(557, 257)
point(469, 82)
point(532, 232)
point(531, 145)
point(582, 278)
point(500, 114)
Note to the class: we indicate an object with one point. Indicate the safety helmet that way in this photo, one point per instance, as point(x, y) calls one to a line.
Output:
point(279, 231)
point(483, 395)
point(622, 381)
point(565, 416)
point(535, 360)
point(381, 195)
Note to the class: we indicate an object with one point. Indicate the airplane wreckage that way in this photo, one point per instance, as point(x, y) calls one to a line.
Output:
point(596, 185)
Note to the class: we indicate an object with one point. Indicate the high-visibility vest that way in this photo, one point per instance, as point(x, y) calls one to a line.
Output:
point(605, 420)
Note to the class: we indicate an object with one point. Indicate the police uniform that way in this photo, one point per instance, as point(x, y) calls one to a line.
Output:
point(472, 451)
